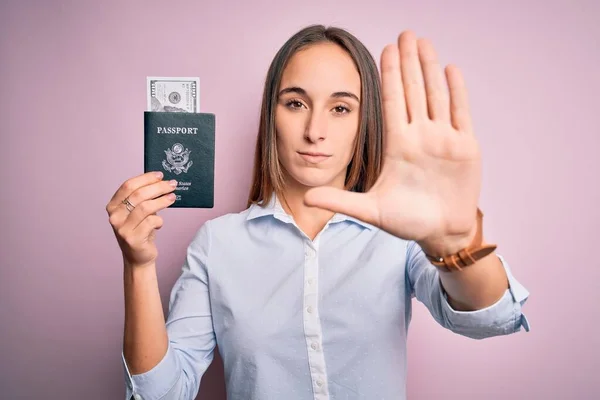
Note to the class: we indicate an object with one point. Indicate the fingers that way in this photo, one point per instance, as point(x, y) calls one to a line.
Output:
point(147, 200)
point(152, 191)
point(129, 186)
point(412, 77)
point(392, 92)
point(438, 100)
point(135, 243)
point(358, 205)
point(424, 84)
point(152, 200)
point(145, 228)
point(459, 102)
point(144, 217)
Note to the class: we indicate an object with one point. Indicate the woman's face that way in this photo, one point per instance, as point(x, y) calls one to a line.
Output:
point(317, 115)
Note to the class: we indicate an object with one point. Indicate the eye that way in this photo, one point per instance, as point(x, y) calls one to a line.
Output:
point(293, 104)
point(341, 109)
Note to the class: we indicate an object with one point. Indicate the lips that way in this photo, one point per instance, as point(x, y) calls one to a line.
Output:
point(313, 157)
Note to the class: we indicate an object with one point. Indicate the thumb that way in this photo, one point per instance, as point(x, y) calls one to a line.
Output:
point(357, 205)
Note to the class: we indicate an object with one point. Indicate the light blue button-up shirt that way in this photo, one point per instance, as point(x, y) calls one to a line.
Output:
point(304, 319)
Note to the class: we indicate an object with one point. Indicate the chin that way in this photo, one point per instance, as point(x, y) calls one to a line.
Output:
point(312, 177)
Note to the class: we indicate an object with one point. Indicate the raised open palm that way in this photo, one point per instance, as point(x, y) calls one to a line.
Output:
point(428, 189)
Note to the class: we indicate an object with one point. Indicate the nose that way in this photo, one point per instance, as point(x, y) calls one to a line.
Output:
point(316, 127)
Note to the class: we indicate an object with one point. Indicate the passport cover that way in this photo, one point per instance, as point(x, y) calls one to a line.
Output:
point(182, 146)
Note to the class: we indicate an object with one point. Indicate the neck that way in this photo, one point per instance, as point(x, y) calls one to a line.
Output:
point(310, 219)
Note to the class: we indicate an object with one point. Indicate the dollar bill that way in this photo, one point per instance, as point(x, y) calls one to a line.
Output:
point(173, 94)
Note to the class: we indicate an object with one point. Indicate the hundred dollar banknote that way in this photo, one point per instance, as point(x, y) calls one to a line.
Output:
point(173, 94)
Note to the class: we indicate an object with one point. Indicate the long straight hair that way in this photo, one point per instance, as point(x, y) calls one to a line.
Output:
point(365, 165)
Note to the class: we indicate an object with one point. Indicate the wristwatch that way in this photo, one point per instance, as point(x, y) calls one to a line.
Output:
point(467, 256)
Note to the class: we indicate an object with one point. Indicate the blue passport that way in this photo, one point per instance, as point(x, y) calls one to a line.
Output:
point(182, 146)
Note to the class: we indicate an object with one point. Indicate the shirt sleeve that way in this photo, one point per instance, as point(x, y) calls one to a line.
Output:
point(190, 331)
point(501, 318)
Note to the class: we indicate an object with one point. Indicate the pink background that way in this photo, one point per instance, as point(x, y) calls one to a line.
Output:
point(72, 93)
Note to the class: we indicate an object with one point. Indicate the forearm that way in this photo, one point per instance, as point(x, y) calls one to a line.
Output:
point(145, 337)
point(477, 286)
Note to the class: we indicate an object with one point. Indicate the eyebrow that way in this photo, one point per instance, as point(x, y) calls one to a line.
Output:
point(299, 90)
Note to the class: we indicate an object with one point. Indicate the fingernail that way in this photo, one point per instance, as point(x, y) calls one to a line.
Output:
point(173, 182)
point(159, 175)
point(171, 196)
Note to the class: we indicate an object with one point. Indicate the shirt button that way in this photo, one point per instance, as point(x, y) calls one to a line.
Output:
point(137, 397)
point(309, 309)
point(319, 383)
point(311, 281)
point(314, 346)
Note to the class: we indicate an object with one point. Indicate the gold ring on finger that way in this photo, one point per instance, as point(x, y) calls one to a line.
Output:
point(128, 204)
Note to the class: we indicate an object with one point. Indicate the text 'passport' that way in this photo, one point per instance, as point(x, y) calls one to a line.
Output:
point(182, 146)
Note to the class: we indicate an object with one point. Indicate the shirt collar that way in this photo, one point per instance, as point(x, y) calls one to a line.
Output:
point(274, 208)
point(260, 209)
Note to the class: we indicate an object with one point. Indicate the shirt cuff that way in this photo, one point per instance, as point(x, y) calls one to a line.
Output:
point(155, 383)
point(501, 318)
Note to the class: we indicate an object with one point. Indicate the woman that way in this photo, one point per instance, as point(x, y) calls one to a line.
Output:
point(356, 206)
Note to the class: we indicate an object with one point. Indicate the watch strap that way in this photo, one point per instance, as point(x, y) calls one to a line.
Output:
point(467, 256)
